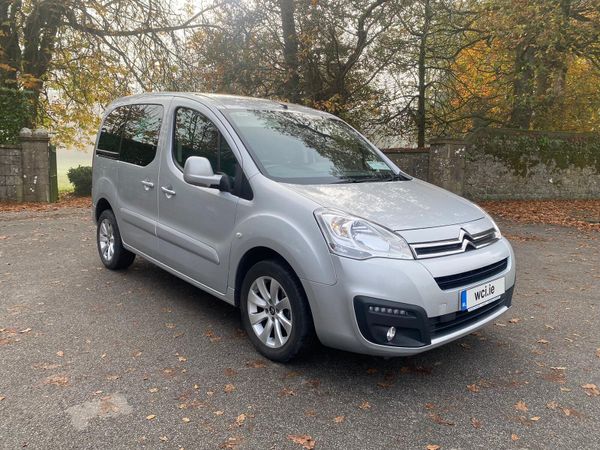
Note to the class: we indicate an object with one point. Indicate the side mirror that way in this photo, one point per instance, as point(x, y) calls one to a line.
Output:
point(198, 172)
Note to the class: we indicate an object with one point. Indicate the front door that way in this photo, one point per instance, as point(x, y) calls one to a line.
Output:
point(195, 224)
point(138, 178)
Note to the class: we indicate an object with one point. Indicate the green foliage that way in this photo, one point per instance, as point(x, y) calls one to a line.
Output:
point(16, 107)
point(81, 177)
point(522, 150)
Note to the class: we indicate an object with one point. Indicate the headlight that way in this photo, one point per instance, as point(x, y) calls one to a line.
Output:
point(358, 238)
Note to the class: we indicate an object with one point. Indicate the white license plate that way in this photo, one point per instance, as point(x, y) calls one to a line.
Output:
point(480, 295)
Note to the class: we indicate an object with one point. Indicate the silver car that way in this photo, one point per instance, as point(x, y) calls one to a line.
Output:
point(294, 217)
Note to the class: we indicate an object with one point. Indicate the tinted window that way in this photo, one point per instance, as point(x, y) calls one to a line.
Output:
point(140, 135)
point(196, 135)
point(110, 133)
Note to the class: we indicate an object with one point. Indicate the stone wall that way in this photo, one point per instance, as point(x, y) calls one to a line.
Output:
point(508, 164)
point(25, 168)
point(11, 178)
point(413, 161)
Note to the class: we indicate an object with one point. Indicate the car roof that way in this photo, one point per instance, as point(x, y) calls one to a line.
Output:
point(226, 101)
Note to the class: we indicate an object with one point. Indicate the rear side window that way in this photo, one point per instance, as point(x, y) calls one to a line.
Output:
point(109, 142)
point(140, 134)
point(196, 135)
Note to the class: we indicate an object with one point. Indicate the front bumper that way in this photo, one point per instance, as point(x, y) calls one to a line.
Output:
point(432, 314)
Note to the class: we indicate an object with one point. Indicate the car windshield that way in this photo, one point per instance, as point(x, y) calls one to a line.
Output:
point(303, 148)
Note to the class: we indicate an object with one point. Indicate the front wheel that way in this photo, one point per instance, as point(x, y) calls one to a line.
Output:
point(275, 311)
point(110, 247)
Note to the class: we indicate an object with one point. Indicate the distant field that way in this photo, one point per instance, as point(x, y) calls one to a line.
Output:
point(67, 158)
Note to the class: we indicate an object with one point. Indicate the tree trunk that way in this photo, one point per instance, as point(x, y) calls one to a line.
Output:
point(522, 110)
point(290, 50)
point(10, 52)
point(421, 118)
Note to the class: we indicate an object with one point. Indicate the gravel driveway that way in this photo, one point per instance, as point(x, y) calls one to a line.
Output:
point(96, 359)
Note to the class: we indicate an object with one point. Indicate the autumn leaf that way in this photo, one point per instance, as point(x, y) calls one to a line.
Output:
point(433, 447)
point(229, 388)
point(598, 353)
point(476, 423)
point(435, 417)
point(535, 418)
point(57, 380)
point(473, 387)
point(257, 364)
point(153, 390)
point(552, 405)
point(591, 389)
point(182, 358)
point(151, 417)
point(365, 405)
point(231, 442)
point(514, 437)
point(185, 419)
point(229, 372)
point(514, 320)
point(60, 353)
point(239, 421)
point(521, 406)
point(218, 413)
point(339, 419)
point(2, 398)
point(542, 341)
point(305, 441)
point(286, 392)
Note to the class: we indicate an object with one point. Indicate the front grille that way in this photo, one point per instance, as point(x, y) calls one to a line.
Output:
point(472, 276)
point(447, 323)
point(465, 242)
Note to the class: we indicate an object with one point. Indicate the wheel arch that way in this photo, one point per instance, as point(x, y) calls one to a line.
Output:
point(101, 205)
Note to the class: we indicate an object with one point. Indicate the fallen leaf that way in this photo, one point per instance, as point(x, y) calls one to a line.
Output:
point(231, 442)
point(433, 447)
point(521, 406)
point(60, 353)
point(514, 437)
point(136, 354)
point(372, 370)
point(591, 389)
point(3, 238)
point(153, 390)
point(542, 341)
point(239, 421)
point(229, 388)
point(185, 419)
point(514, 320)
point(473, 387)
point(310, 413)
point(229, 372)
point(57, 380)
point(598, 352)
point(552, 405)
point(305, 441)
point(151, 417)
point(286, 392)
point(365, 405)
point(182, 358)
point(163, 438)
point(212, 336)
point(435, 417)
point(2, 398)
point(339, 419)
point(257, 364)
point(476, 423)
point(26, 330)
point(429, 405)
point(170, 325)
point(218, 413)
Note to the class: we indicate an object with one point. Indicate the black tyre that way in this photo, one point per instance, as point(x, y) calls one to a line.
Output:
point(275, 311)
point(110, 247)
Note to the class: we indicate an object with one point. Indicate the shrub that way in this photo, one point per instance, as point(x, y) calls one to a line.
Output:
point(81, 178)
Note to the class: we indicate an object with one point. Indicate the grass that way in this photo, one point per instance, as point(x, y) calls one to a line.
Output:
point(67, 158)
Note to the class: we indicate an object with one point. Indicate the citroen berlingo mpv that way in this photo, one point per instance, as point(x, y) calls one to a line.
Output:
point(293, 216)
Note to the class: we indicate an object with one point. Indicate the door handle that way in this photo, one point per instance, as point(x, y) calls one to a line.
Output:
point(147, 185)
point(168, 191)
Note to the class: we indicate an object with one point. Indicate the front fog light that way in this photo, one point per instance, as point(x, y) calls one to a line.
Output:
point(391, 333)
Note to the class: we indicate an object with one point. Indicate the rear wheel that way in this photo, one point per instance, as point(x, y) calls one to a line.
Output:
point(110, 247)
point(275, 311)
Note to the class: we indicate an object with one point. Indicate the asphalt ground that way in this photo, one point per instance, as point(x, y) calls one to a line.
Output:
point(91, 358)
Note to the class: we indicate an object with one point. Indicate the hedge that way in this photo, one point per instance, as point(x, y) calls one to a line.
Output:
point(81, 177)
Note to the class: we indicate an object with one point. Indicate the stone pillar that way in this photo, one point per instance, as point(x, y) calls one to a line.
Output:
point(447, 164)
point(36, 160)
point(11, 181)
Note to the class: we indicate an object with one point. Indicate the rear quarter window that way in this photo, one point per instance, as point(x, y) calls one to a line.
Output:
point(109, 142)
